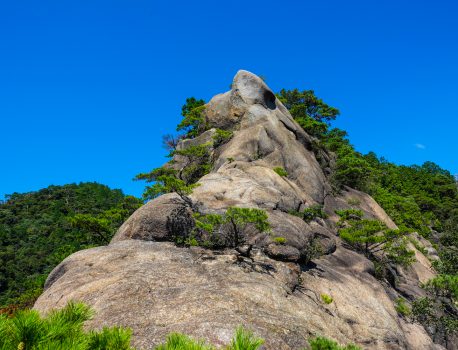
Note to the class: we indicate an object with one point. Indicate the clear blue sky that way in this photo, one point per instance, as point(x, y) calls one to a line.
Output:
point(87, 88)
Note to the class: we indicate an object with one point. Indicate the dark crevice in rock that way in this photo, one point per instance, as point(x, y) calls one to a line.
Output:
point(269, 99)
point(299, 136)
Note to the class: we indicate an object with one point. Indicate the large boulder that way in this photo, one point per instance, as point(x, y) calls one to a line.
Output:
point(275, 281)
point(157, 288)
point(154, 220)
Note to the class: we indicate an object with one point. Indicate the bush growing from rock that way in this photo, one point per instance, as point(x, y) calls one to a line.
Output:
point(197, 162)
point(279, 240)
point(327, 299)
point(221, 137)
point(444, 286)
point(436, 315)
point(193, 122)
point(350, 214)
point(402, 307)
point(321, 343)
point(228, 229)
point(372, 236)
point(310, 213)
point(167, 180)
point(281, 171)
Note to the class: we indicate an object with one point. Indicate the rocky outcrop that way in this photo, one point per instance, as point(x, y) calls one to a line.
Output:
point(157, 288)
point(144, 281)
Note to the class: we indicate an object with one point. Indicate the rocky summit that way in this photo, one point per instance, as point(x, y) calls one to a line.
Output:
point(277, 282)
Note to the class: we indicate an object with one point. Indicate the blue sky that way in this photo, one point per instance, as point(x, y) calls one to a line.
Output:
point(87, 88)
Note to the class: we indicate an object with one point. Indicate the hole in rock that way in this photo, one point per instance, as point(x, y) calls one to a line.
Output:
point(269, 99)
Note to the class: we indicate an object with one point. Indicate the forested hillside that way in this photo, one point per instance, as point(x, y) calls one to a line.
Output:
point(39, 229)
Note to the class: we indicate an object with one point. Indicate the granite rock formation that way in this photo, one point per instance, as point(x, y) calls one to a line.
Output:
point(144, 281)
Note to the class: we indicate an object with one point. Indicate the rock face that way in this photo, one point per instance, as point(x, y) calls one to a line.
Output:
point(144, 282)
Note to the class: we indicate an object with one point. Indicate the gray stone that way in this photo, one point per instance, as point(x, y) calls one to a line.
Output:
point(157, 288)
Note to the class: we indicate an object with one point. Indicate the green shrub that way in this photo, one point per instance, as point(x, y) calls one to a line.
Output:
point(418, 246)
point(221, 137)
point(372, 236)
point(443, 286)
point(402, 307)
point(313, 212)
point(110, 338)
point(193, 123)
point(177, 341)
point(245, 340)
point(281, 171)
point(61, 329)
point(279, 240)
point(327, 299)
point(350, 214)
point(310, 213)
point(196, 162)
point(321, 343)
point(439, 316)
point(228, 229)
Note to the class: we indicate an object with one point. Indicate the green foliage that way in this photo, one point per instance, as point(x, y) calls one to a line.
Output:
point(310, 213)
point(423, 310)
point(62, 329)
point(196, 163)
point(444, 286)
point(436, 315)
point(350, 170)
point(418, 246)
point(314, 251)
point(312, 127)
point(97, 225)
point(279, 240)
point(168, 184)
point(177, 341)
point(242, 340)
point(221, 137)
point(228, 229)
point(304, 104)
point(110, 338)
point(350, 214)
point(327, 299)
point(419, 197)
point(402, 209)
point(193, 122)
point(402, 307)
point(245, 340)
point(40, 229)
point(373, 236)
point(281, 171)
point(240, 217)
point(321, 343)
point(313, 212)
point(448, 264)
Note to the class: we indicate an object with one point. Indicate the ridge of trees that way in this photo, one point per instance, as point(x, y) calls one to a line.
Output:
point(39, 229)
